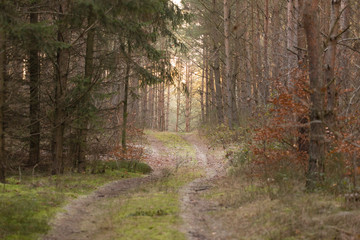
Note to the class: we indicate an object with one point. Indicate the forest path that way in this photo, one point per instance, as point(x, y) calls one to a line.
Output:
point(80, 218)
point(198, 223)
point(83, 218)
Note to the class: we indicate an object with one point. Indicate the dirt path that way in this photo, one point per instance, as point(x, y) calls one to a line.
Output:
point(198, 223)
point(159, 155)
point(81, 219)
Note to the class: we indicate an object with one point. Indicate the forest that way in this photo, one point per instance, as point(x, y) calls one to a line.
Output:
point(179, 119)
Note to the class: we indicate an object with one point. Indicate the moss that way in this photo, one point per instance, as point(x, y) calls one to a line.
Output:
point(149, 216)
point(151, 212)
point(131, 166)
point(27, 206)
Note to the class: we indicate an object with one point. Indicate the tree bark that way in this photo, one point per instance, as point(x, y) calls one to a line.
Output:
point(144, 110)
point(303, 139)
point(178, 91)
point(218, 89)
point(291, 40)
point(301, 36)
point(2, 104)
point(265, 86)
point(161, 107)
point(34, 75)
point(188, 99)
point(228, 77)
point(126, 97)
point(207, 102)
point(61, 77)
point(150, 120)
point(213, 96)
point(317, 138)
point(168, 108)
point(344, 61)
point(156, 109)
point(254, 62)
point(330, 59)
point(276, 42)
point(89, 59)
point(202, 88)
point(216, 69)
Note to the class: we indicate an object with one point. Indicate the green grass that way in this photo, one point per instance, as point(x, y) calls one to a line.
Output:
point(152, 211)
point(130, 166)
point(175, 143)
point(26, 206)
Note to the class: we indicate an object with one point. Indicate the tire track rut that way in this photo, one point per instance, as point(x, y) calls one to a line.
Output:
point(198, 225)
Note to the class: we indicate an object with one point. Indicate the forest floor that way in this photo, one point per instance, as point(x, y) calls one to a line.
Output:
point(190, 196)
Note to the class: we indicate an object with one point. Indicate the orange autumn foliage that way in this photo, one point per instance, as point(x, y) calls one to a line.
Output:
point(276, 140)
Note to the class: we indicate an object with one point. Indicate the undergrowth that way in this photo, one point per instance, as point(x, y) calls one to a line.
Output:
point(264, 195)
point(248, 212)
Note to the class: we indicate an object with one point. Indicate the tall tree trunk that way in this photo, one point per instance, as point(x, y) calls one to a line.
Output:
point(228, 77)
point(150, 120)
point(246, 98)
point(178, 96)
point(276, 41)
point(303, 139)
point(291, 40)
point(161, 106)
point(213, 96)
point(144, 110)
point(34, 72)
point(260, 82)
point(202, 88)
point(168, 108)
point(126, 97)
point(137, 103)
point(2, 104)
point(330, 58)
point(265, 87)
point(344, 51)
point(61, 78)
point(216, 68)
point(207, 86)
point(317, 138)
point(235, 75)
point(187, 100)
point(89, 59)
point(156, 109)
point(190, 96)
point(301, 36)
point(254, 56)
point(218, 89)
